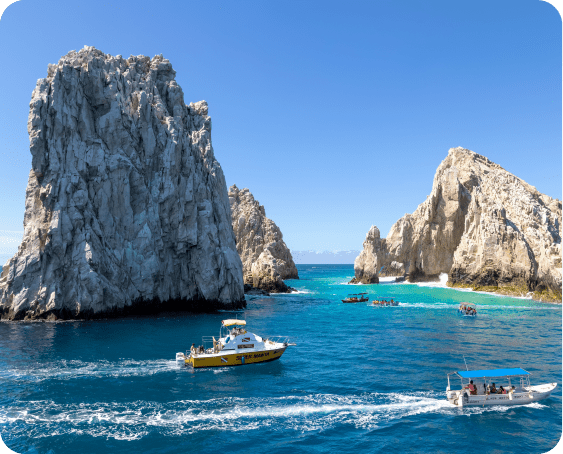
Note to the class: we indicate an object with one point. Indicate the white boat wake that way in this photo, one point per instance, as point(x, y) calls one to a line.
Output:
point(134, 420)
point(68, 370)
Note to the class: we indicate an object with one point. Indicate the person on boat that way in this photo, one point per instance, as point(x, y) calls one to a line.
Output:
point(493, 389)
point(472, 388)
point(501, 390)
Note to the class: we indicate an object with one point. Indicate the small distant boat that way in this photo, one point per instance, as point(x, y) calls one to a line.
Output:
point(390, 302)
point(468, 309)
point(356, 298)
point(235, 347)
point(479, 389)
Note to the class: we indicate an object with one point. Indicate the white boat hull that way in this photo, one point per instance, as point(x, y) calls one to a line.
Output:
point(466, 314)
point(526, 396)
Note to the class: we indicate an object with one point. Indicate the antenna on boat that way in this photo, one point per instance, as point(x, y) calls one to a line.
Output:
point(465, 362)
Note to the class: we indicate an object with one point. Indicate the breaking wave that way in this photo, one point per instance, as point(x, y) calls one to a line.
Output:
point(441, 284)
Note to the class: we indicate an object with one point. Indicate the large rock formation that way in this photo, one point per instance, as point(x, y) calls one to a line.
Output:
point(482, 225)
point(126, 207)
point(265, 258)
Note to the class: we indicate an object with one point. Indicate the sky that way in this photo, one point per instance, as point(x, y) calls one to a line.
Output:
point(334, 114)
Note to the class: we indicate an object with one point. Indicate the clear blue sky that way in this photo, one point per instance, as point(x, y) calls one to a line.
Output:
point(334, 114)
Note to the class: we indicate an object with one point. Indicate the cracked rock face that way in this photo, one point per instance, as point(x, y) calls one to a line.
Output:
point(481, 224)
point(266, 259)
point(126, 205)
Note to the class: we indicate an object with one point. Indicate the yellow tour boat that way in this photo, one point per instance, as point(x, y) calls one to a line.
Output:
point(234, 347)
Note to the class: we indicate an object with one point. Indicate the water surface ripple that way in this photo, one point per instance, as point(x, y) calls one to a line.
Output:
point(360, 379)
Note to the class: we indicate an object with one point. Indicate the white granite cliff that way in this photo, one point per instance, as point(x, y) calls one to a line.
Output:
point(266, 259)
point(482, 225)
point(126, 206)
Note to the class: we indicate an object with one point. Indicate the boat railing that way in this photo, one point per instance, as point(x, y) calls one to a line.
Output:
point(279, 340)
point(209, 343)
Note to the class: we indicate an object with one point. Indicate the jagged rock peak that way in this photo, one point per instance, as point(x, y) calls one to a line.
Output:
point(480, 224)
point(266, 259)
point(368, 263)
point(126, 206)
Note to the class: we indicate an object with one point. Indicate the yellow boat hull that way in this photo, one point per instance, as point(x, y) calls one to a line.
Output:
point(235, 359)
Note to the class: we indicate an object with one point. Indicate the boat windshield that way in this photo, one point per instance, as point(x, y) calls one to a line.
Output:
point(231, 328)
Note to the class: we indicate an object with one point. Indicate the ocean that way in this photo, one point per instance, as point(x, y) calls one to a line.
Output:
point(360, 379)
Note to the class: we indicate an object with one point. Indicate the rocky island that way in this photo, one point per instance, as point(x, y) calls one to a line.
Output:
point(126, 206)
point(484, 227)
point(266, 260)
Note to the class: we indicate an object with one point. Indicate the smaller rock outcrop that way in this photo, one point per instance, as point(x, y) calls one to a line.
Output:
point(265, 257)
point(371, 259)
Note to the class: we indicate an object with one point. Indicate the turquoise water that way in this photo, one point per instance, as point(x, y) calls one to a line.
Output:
point(360, 379)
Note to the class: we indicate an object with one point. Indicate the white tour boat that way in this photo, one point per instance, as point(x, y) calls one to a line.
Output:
point(234, 347)
point(496, 387)
point(468, 309)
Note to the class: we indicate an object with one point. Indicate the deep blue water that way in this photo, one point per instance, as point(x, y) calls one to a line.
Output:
point(360, 379)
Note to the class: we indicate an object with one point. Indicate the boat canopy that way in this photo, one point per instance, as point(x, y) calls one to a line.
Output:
point(492, 373)
point(232, 322)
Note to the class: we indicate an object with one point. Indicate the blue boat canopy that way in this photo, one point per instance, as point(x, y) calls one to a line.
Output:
point(492, 373)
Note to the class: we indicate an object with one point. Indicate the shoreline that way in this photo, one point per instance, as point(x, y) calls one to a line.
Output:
point(505, 291)
point(442, 282)
point(495, 291)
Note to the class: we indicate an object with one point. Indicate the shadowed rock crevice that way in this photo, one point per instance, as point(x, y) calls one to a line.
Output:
point(126, 206)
